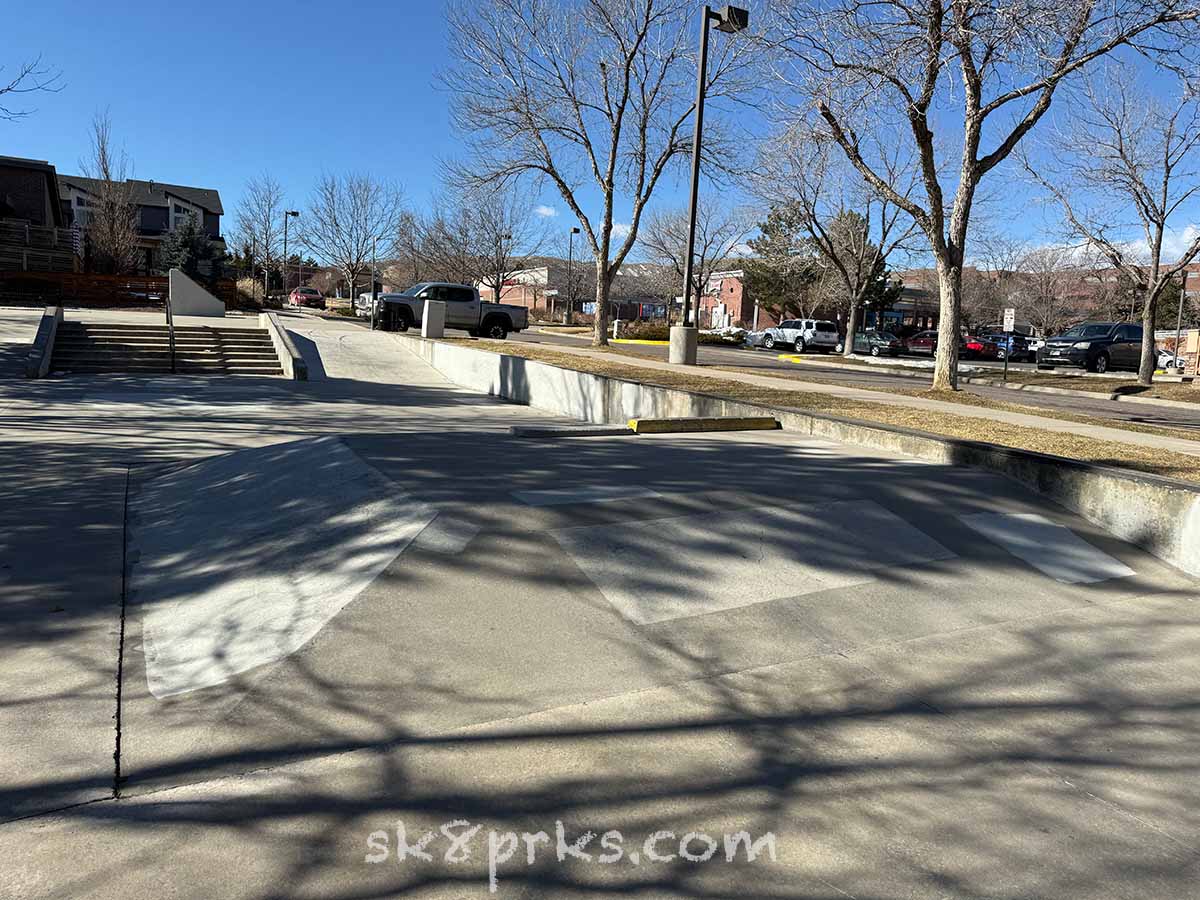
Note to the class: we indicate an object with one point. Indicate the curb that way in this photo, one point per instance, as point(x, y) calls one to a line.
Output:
point(691, 424)
point(1161, 515)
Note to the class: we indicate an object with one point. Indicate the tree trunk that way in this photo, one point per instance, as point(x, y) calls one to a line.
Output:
point(600, 328)
point(1148, 362)
point(945, 370)
point(851, 327)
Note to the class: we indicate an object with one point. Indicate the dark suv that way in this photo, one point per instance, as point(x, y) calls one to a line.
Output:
point(1095, 346)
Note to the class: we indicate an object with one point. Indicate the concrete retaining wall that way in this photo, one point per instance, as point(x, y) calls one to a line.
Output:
point(290, 360)
point(37, 363)
point(1161, 515)
point(189, 299)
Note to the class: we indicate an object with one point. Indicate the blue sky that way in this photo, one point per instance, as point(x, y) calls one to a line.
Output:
point(210, 94)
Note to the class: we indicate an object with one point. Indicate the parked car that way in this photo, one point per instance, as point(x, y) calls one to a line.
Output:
point(464, 309)
point(803, 334)
point(306, 297)
point(1014, 346)
point(923, 342)
point(978, 348)
point(1095, 346)
point(362, 306)
point(1167, 359)
point(877, 343)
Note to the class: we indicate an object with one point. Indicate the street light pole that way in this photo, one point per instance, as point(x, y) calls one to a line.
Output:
point(730, 19)
point(1179, 316)
point(570, 278)
point(287, 214)
point(501, 256)
point(374, 294)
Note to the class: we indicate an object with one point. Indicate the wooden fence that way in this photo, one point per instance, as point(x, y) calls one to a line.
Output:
point(95, 291)
point(36, 248)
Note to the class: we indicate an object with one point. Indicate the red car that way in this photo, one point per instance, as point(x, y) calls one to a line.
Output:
point(978, 348)
point(968, 348)
point(306, 296)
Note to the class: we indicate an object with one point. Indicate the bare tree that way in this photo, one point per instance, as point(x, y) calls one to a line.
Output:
point(30, 77)
point(1129, 157)
point(720, 230)
point(347, 217)
point(579, 91)
point(1050, 277)
point(482, 237)
point(260, 219)
point(972, 76)
point(111, 213)
point(801, 167)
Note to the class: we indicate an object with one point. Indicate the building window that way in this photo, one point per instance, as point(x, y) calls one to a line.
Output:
point(179, 210)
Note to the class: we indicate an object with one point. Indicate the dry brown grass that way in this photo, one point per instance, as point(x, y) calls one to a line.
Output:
point(1071, 446)
point(965, 398)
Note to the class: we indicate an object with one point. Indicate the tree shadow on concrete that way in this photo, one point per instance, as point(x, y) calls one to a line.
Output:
point(954, 728)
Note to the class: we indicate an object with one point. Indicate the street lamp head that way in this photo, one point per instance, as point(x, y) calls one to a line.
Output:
point(575, 230)
point(732, 19)
point(293, 212)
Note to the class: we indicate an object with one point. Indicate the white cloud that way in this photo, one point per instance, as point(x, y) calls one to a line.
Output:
point(620, 230)
point(1175, 242)
point(740, 250)
point(546, 212)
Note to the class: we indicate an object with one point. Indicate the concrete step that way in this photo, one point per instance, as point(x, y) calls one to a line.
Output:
point(146, 349)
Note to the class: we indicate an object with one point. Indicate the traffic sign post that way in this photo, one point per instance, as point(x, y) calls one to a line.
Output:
point(1010, 321)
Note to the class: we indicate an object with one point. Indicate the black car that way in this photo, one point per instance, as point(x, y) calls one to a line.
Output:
point(1095, 346)
point(877, 343)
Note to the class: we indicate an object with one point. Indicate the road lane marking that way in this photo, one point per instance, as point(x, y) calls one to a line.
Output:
point(1047, 546)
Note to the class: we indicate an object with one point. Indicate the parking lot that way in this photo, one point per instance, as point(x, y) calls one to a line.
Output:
point(363, 602)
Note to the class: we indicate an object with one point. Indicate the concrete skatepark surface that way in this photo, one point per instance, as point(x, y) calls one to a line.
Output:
point(924, 681)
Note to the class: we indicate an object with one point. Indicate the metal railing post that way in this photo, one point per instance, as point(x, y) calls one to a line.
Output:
point(170, 328)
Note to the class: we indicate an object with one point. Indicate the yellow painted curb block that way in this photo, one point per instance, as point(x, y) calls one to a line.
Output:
point(704, 423)
point(632, 341)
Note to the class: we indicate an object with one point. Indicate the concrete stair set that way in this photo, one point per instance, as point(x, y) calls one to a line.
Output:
point(146, 349)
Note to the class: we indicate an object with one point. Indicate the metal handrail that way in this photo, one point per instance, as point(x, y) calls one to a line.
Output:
point(170, 329)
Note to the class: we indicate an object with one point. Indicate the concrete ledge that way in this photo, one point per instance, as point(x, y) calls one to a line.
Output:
point(1159, 514)
point(290, 360)
point(705, 423)
point(37, 363)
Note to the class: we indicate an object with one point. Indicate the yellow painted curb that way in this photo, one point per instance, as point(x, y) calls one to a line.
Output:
point(631, 341)
point(704, 423)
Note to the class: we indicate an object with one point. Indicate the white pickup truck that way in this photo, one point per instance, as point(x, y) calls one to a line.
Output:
point(464, 309)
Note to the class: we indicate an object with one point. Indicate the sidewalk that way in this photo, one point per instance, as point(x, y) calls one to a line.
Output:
point(1045, 423)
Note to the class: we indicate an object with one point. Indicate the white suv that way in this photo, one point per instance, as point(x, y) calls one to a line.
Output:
point(803, 334)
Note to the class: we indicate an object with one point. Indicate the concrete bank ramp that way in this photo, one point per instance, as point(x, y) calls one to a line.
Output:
point(240, 560)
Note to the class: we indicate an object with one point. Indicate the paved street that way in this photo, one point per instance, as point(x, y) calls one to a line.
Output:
point(359, 601)
point(875, 378)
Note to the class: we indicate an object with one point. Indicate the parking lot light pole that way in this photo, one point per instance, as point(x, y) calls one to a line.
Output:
point(729, 19)
point(1179, 320)
point(570, 282)
point(286, 215)
point(374, 293)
